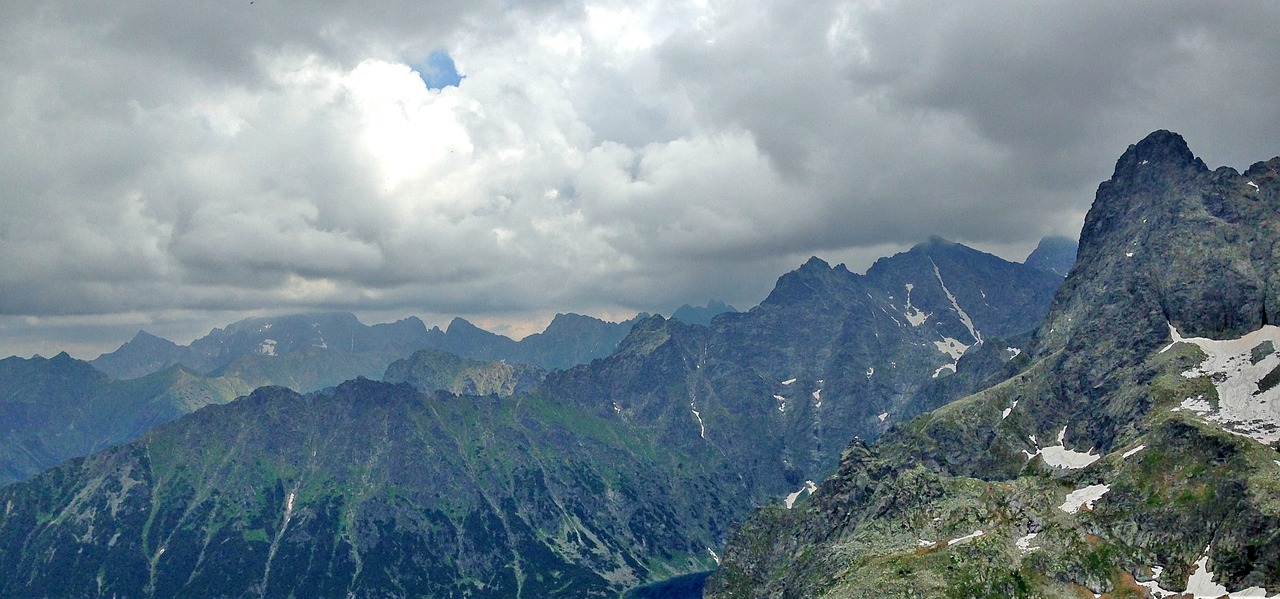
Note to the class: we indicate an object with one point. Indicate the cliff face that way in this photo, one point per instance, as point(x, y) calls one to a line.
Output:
point(1127, 454)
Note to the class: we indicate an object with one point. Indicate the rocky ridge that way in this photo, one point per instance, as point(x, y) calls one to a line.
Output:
point(1094, 469)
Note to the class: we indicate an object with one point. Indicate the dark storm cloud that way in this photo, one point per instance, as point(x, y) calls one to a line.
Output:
point(170, 165)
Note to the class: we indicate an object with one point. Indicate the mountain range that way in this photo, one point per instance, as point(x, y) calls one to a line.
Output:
point(603, 476)
point(1134, 453)
point(277, 349)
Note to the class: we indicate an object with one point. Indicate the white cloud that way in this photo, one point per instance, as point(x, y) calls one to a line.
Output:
point(599, 156)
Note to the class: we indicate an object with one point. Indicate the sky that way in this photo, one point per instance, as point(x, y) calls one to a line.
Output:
point(175, 166)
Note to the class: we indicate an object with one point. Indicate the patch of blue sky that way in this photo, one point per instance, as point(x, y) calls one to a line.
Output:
point(439, 71)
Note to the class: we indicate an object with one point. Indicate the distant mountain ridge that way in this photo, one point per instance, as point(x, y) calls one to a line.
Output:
point(337, 331)
point(570, 339)
point(251, 346)
point(702, 315)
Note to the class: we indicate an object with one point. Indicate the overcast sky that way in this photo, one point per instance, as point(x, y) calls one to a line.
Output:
point(174, 166)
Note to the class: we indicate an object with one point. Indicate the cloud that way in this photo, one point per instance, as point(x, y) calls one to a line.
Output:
point(172, 166)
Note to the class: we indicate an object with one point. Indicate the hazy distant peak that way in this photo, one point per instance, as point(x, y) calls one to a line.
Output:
point(1054, 254)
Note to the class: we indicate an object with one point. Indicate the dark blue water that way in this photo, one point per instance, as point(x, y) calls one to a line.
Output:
point(688, 586)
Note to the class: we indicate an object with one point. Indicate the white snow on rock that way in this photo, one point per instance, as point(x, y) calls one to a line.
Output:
point(268, 347)
point(1254, 185)
point(1243, 407)
point(788, 381)
point(1013, 352)
point(1008, 410)
point(1058, 456)
point(973, 535)
point(951, 347)
point(817, 395)
point(1200, 585)
point(871, 371)
point(924, 543)
point(883, 416)
point(779, 398)
point(809, 487)
point(1128, 454)
point(714, 556)
point(1083, 498)
point(964, 316)
point(1024, 544)
point(914, 315)
point(702, 429)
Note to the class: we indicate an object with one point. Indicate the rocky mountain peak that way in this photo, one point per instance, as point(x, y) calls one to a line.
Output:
point(1159, 149)
point(815, 263)
point(1053, 254)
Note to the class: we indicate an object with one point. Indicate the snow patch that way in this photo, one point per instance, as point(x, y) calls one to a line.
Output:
point(808, 487)
point(964, 316)
point(714, 556)
point(268, 347)
point(870, 371)
point(1024, 544)
point(702, 429)
point(1254, 186)
point(951, 347)
point(973, 535)
point(914, 315)
point(1083, 498)
point(779, 398)
point(1013, 352)
point(1248, 403)
point(1058, 456)
point(1200, 585)
point(924, 543)
point(1008, 410)
point(788, 381)
point(884, 415)
point(1128, 454)
point(817, 395)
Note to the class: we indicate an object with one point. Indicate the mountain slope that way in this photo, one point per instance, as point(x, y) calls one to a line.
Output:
point(1117, 461)
point(371, 489)
point(431, 370)
point(58, 408)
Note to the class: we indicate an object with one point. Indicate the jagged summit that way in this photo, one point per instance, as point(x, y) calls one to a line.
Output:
point(814, 263)
point(1159, 149)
